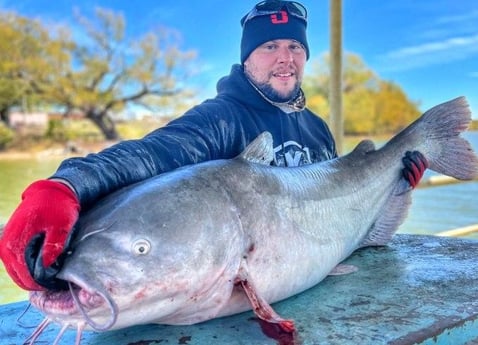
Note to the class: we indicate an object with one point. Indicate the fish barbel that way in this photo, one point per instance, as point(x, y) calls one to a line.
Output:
point(225, 236)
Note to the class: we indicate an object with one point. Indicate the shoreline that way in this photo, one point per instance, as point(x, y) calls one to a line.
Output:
point(55, 152)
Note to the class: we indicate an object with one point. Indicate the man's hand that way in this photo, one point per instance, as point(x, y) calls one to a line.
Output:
point(37, 232)
point(415, 165)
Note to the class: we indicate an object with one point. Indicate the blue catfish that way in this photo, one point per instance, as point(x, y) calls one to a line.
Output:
point(225, 236)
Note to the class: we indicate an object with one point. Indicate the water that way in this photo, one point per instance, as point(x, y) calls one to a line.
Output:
point(433, 209)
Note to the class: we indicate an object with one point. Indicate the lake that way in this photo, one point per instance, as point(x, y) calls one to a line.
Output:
point(433, 210)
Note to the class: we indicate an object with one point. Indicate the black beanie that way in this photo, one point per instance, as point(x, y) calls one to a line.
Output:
point(264, 28)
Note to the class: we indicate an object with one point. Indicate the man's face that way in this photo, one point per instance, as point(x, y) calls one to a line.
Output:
point(276, 68)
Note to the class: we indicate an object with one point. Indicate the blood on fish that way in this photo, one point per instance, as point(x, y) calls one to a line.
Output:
point(276, 331)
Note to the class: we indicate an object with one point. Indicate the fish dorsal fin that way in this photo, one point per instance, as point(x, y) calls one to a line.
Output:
point(365, 146)
point(260, 150)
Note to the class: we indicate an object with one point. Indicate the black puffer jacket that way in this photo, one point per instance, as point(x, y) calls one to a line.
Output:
point(217, 128)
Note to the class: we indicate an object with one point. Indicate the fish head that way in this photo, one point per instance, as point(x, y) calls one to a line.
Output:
point(137, 260)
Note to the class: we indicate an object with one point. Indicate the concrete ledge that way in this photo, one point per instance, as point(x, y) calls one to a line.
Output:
point(417, 290)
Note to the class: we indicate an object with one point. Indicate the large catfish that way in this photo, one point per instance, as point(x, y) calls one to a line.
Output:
point(225, 236)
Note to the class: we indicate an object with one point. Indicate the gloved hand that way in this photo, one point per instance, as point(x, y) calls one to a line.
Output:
point(415, 165)
point(37, 231)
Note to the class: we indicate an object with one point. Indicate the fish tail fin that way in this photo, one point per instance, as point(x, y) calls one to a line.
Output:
point(446, 151)
point(436, 134)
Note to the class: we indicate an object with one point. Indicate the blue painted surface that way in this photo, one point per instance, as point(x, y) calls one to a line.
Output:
point(417, 290)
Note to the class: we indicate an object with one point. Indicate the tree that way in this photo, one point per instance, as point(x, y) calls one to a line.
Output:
point(371, 105)
point(393, 110)
point(97, 75)
point(27, 54)
point(109, 71)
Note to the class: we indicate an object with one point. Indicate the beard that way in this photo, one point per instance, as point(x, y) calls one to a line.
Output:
point(268, 91)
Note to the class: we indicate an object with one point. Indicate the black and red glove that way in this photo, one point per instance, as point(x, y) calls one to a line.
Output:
point(415, 165)
point(37, 231)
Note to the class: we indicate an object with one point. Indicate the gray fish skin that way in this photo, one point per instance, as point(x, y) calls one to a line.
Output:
point(171, 249)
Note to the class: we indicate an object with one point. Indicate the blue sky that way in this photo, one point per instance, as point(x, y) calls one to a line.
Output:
point(429, 48)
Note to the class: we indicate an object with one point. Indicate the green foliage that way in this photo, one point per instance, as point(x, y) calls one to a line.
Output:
point(30, 60)
point(358, 108)
point(6, 136)
point(371, 106)
point(56, 131)
point(97, 76)
point(139, 128)
point(64, 130)
point(106, 79)
point(84, 131)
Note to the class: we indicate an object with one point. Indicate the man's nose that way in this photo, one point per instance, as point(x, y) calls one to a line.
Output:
point(285, 55)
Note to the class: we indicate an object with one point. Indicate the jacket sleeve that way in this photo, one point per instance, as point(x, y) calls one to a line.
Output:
point(195, 137)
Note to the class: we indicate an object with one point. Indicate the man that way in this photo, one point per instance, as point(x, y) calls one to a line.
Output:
point(263, 93)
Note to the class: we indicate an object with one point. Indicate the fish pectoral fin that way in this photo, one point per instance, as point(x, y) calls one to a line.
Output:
point(342, 269)
point(260, 306)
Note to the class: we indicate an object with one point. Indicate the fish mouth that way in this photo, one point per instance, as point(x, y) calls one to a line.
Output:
point(78, 301)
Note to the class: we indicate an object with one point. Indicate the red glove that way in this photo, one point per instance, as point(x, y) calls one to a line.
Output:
point(415, 165)
point(48, 210)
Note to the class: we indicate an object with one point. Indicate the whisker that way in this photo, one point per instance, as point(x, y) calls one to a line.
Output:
point(36, 333)
point(60, 335)
point(111, 304)
point(22, 315)
point(79, 333)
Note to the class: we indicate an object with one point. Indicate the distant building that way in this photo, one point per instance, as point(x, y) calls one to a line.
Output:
point(18, 120)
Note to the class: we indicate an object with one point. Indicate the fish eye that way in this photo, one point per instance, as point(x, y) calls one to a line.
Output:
point(141, 247)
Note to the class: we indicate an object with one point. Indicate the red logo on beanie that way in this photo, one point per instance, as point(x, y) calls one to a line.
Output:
point(282, 18)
